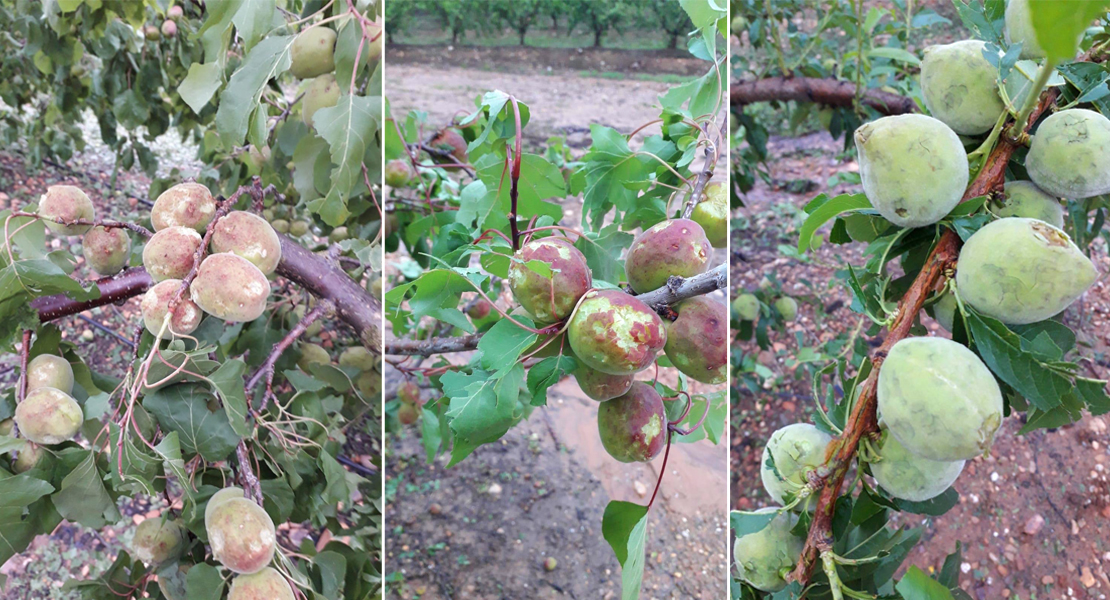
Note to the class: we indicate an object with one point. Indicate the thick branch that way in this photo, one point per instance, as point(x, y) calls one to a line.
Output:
point(829, 92)
point(119, 287)
point(432, 346)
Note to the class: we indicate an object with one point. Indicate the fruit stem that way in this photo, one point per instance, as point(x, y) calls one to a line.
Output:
point(515, 175)
point(662, 471)
point(1017, 130)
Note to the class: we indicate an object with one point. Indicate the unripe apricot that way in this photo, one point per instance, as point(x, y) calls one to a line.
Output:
point(409, 393)
point(762, 557)
point(407, 413)
point(909, 477)
point(48, 416)
point(601, 386)
point(27, 459)
point(48, 370)
point(218, 499)
point(231, 288)
point(796, 450)
point(312, 354)
point(712, 214)
point(106, 251)
point(451, 141)
point(6, 426)
point(157, 541)
point(615, 333)
point(675, 247)
point(633, 427)
point(156, 304)
point(280, 225)
point(183, 205)
point(266, 584)
point(175, 12)
point(298, 228)
point(787, 307)
point(169, 28)
point(1069, 155)
point(960, 88)
point(549, 299)
point(169, 253)
point(1019, 29)
point(67, 203)
point(249, 236)
point(152, 33)
point(242, 536)
point(398, 173)
point(369, 384)
point(480, 309)
point(697, 341)
point(359, 358)
point(313, 53)
point(321, 93)
point(1025, 199)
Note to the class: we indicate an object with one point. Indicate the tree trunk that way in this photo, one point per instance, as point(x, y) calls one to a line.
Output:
point(597, 38)
point(522, 32)
point(454, 37)
point(555, 23)
point(674, 40)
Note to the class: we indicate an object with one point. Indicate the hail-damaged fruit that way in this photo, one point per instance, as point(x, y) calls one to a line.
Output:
point(910, 477)
point(938, 399)
point(183, 205)
point(762, 557)
point(68, 203)
point(106, 250)
point(48, 416)
point(796, 449)
point(697, 341)
point(322, 92)
point(1069, 155)
point(914, 168)
point(157, 541)
point(249, 236)
point(1021, 271)
point(712, 214)
point(27, 459)
point(601, 386)
point(547, 277)
point(218, 499)
point(241, 535)
point(266, 584)
point(156, 305)
point(49, 371)
point(169, 253)
point(1025, 199)
point(231, 288)
point(615, 333)
point(675, 247)
point(960, 88)
point(313, 53)
point(633, 427)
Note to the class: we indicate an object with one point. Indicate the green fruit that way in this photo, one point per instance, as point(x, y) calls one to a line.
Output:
point(156, 305)
point(157, 540)
point(49, 371)
point(323, 92)
point(298, 228)
point(169, 254)
point(369, 384)
point(633, 427)
point(106, 251)
point(231, 288)
point(764, 556)
point(480, 309)
point(1022, 271)
point(601, 386)
point(69, 204)
point(939, 399)
point(408, 414)
point(312, 354)
point(398, 173)
point(787, 307)
point(313, 53)
point(280, 225)
point(1019, 29)
point(960, 88)
point(409, 393)
point(550, 296)
point(914, 168)
point(796, 449)
point(676, 247)
point(219, 498)
point(615, 333)
point(697, 341)
point(242, 536)
point(712, 214)
point(183, 205)
point(266, 584)
point(359, 358)
point(1025, 199)
point(312, 329)
point(1069, 156)
point(27, 459)
point(6, 426)
point(152, 33)
point(746, 307)
point(48, 416)
point(338, 234)
point(909, 477)
point(944, 311)
point(169, 29)
point(249, 236)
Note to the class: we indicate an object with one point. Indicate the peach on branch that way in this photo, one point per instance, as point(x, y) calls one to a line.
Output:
point(359, 358)
point(183, 205)
point(313, 53)
point(231, 288)
point(796, 450)
point(764, 556)
point(312, 354)
point(549, 297)
point(157, 540)
point(249, 236)
point(1025, 199)
point(615, 333)
point(156, 305)
point(68, 203)
point(960, 87)
point(398, 173)
point(323, 92)
point(633, 427)
point(241, 535)
point(910, 477)
point(601, 386)
point(697, 341)
point(1069, 155)
point(49, 371)
point(674, 247)
point(27, 458)
point(106, 251)
point(48, 416)
point(219, 498)
point(712, 214)
point(169, 253)
point(266, 584)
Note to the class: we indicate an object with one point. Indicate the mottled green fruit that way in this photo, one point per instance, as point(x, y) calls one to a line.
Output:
point(480, 309)
point(787, 307)
point(551, 294)
point(169, 253)
point(369, 384)
point(1025, 199)
point(398, 173)
point(298, 228)
point(338, 234)
point(697, 341)
point(48, 416)
point(601, 386)
point(152, 33)
point(712, 214)
point(156, 305)
point(796, 449)
point(27, 459)
point(764, 556)
point(944, 311)
point(218, 499)
point(249, 236)
point(360, 358)
point(242, 536)
point(746, 307)
point(409, 393)
point(49, 371)
point(266, 584)
point(675, 247)
point(914, 168)
point(106, 251)
point(231, 288)
point(183, 205)
point(633, 427)
point(1022, 271)
point(280, 225)
point(959, 86)
point(615, 333)
point(69, 204)
point(157, 540)
point(910, 477)
point(323, 92)
point(939, 399)
point(313, 53)
point(312, 354)
point(408, 414)
point(1069, 156)
point(6, 426)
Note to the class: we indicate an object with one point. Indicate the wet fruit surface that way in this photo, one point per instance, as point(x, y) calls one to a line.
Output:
point(615, 333)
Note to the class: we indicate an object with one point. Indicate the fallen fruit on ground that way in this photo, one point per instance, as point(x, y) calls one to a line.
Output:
point(323, 92)
point(313, 53)
point(250, 236)
point(169, 253)
point(156, 305)
point(746, 307)
point(959, 86)
point(241, 535)
point(231, 288)
point(763, 557)
point(675, 247)
point(601, 386)
point(48, 416)
point(697, 341)
point(183, 205)
point(49, 370)
point(633, 427)
point(909, 477)
point(1069, 155)
point(157, 540)
point(106, 251)
point(549, 287)
point(68, 203)
point(712, 214)
point(787, 307)
point(266, 584)
point(1025, 199)
point(796, 450)
point(615, 333)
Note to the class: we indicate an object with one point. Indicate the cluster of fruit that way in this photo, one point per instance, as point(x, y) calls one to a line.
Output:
point(368, 364)
point(448, 145)
point(48, 414)
point(168, 27)
point(312, 56)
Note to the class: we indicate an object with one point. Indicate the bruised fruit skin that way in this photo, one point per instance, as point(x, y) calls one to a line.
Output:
point(938, 399)
point(323, 92)
point(106, 251)
point(712, 214)
point(615, 333)
point(959, 87)
point(796, 449)
point(746, 307)
point(169, 253)
point(312, 354)
point(49, 371)
point(914, 168)
point(398, 173)
point(549, 299)
point(763, 556)
point(787, 307)
point(183, 205)
point(48, 416)
point(633, 427)
point(1025, 199)
point(266, 584)
point(1069, 155)
point(601, 386)
point(1022, 271)
point(313, 53)
point(157, 541)
point(28, 457)
point(68, 203)
point(675, 247)
point(218, 499)
point(231, 288)
point(697, 341)
point(156, 304)
point(909, 477)
point(241, 535)
point(249, 236)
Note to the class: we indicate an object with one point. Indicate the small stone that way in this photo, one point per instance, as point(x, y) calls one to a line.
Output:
point(435, 509)
point(1034, 525)
point(494, 489)
point(640, 488)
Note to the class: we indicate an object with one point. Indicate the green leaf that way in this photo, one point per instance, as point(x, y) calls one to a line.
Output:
point(624, 526)
point(483, 408)
point(200, 85)
point(253, 20)
point(822, 209)
point(17, 493)
point(916, 585)
point(895, 54)
point(1060, 25)
point(503, 344)
point(83, 498)
point(228, 383)
point(547, 373)
point(240, 98)
point(192, 411)
point(204, 583)
point(349, 127)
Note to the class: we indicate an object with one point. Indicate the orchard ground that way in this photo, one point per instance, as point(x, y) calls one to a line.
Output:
point(540, 491)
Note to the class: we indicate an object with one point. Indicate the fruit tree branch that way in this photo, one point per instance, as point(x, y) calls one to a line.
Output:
point(322, 308)
point(829, 92)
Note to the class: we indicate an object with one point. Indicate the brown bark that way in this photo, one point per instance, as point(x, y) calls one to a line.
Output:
point(829, 92)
